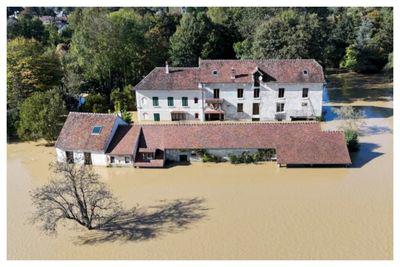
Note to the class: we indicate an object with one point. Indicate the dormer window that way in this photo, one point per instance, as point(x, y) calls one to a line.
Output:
point(215, 73)
point(97, 130)
point(305, 72)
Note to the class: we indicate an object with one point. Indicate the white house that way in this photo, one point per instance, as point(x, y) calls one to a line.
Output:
point(249, 90)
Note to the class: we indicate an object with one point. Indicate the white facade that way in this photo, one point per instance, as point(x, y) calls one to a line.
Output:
point(98, 158)
point(146, 109)
point(294, 104)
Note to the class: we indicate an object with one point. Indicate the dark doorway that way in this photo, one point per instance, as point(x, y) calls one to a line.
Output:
point(214, 117)
point(88, 158)
point(70, 156)
point(183, 158)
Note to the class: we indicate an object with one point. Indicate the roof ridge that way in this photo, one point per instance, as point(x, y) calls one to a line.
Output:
point(226, 123)
point(92, 113)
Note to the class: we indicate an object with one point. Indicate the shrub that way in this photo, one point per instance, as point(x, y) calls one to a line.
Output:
point(351, 137)
point(207, 157)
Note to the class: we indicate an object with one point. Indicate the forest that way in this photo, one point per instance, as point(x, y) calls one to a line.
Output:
point(55, 55)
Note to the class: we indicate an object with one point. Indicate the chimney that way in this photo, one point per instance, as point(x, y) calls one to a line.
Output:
point(166, 67)
point(233, 75)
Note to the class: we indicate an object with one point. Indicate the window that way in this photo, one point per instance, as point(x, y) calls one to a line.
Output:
point(184, 101)
point(196, 115)
point(216, 93)
point(215, 72)
point(155, 101)
point(256, 78)
point(112, 159)
point(87, 158)
point(305, 92)
point(70, 156)
point(255, 119)
point(240, 93)
point(156, 116)
point(240, 107)
point(256, 108)
point(305, 72)
point(280, 107)
point(257, 93)
point(304, 104)
point(127, 160)
point(178, 116)
point(170, 101)
point(196, 100)
point(281, 92)
point(97, 130)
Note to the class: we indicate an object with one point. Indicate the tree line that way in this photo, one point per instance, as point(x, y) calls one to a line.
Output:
point(102, 52)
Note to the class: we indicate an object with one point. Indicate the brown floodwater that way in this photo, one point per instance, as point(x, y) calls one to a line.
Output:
point(232, 211)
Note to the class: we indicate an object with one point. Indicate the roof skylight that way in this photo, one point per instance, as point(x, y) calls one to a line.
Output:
point(97, 130)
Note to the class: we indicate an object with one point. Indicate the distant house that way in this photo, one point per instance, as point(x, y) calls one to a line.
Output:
point(105, 139)
point(237, 90)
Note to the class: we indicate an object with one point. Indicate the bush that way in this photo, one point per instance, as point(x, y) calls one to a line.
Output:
point(41, 116)
point(246, 157)
point(207, 157)
point(351, 137)
point(95, 103)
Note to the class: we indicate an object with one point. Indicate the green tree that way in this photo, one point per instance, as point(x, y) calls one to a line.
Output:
point(27, 27)
point(123, 98)
point(289, 35)
point(186, 44)
point(30, 69)
point(41, 116)
point(95, 103)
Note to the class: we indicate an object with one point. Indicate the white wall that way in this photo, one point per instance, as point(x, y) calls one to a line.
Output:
point(268, 99)
point(144, 99)
point(120, 160)
point(61, 156)
point(99, 159)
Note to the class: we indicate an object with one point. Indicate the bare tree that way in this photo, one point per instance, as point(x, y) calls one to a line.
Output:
point(74, 193)
point(352, 119)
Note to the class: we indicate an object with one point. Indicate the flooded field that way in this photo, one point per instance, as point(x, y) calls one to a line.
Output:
point(233, 212)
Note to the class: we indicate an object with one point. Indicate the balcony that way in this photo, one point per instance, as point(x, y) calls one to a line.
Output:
point(214, 100)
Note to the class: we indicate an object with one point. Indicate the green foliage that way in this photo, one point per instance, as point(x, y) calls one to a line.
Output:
point(247, 157)
point(113, 49)
point(207, 157)
point(30, 69)
point(12, 123)
point(123, 98)
point(289, 35)
point(95, 103)
point(351, 137)
point(27, 27)
point(41, 116)
point(126, 116)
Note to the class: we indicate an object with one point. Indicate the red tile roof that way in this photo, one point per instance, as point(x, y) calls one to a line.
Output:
point(279, 70)
point(124, 140)
point(177, 79)
point(76, 133)
point(296, 143)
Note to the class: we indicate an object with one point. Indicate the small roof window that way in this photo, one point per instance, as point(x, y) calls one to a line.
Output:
point(97, 130)
point(305, 72)
point(215, 72)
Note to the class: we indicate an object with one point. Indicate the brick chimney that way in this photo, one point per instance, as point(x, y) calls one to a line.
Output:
point(233, 74)
point(166, 67)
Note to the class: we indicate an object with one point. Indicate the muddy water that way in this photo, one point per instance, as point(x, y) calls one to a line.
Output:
point(250, 211)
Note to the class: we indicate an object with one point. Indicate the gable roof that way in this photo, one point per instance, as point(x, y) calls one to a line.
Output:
point(124, 140)
point(296, 143)
point(76, 133)
point(280, 70)
point(273, 70)
point(176, 79)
